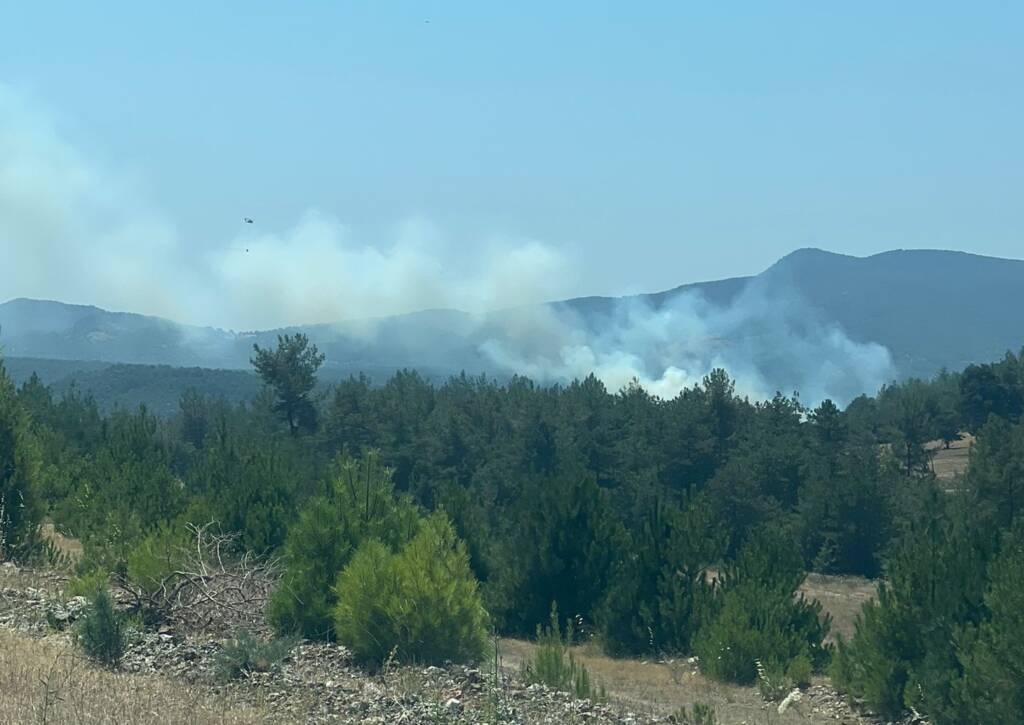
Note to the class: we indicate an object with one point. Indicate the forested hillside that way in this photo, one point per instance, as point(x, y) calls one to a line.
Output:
point(658, 526)
point(930, 309)
point(118, 386)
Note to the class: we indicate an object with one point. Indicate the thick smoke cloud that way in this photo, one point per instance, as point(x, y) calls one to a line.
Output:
point(73, 230)
point(768, 341)
point(317, 272)
point(68, 230)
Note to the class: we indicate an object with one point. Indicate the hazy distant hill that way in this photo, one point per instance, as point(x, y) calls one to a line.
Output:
point(932, 309)
point(120, 385)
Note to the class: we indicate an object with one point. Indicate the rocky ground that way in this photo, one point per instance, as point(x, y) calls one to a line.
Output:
point(318, 683)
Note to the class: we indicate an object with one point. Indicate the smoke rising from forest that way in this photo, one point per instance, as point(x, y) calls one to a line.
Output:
point(768, 342)
point(75, 230)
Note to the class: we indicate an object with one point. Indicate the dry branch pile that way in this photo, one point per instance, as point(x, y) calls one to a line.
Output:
point(213, 590)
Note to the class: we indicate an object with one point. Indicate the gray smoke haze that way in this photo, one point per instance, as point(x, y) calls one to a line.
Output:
point(74, 230)
point(768, 341)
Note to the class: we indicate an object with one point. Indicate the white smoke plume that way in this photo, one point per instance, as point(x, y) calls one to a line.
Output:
point(767, 341)
point(75, 231)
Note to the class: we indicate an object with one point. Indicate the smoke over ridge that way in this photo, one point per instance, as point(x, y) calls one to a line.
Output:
point(73, 230)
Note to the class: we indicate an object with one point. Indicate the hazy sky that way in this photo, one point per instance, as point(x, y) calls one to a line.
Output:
point(651, 144)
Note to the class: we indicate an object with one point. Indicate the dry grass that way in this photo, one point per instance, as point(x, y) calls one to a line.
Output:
point(840, 596)
point(950, 464)
point(51, 583)
point(46, 681)
point(649, 687)
point(71, 548)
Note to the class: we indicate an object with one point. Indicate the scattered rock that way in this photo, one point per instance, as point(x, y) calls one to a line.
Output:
point(319, 683)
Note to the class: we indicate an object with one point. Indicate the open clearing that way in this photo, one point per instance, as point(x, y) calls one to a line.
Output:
point(840, 596)
point(650, 687)
point(949, 464)
point(660, 687)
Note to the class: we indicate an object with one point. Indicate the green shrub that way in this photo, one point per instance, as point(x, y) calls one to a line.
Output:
point(761, 619)
point(903, 652)
point(86, 584)
point(659, 595)
point(420, 605)
point(360, 507)
point(772, 683)
point(159, 555)
point(101, 631)
point(800, 671)
point(553, 664)
point(871, 665)
point(246, 653)
point(575, 541)
point(699, 714)
point(20, 510)
point(365, 589)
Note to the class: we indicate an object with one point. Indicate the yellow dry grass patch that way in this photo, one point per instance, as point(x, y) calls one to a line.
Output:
point(47, 681)
point(650, 687)
point(841, 596)
point(949, 464)
point(69, 547)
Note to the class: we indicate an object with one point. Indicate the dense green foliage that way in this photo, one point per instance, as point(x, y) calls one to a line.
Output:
point(290, 370)
point(990, 654)
point(360, 506)
point(19, 471)
point(944, 636)
point(419, 604)
point(659, 526)
point(759, 618)
point(116, 385)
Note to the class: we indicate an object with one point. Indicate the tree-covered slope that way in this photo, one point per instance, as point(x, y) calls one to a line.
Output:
point(931, 309)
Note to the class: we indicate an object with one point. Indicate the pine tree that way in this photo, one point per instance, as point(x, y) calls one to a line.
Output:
point(20, 512)
point(759, 618)
point(995, 478)
point(575, 541)
point(418, 605)
point(290, 370)
point(360, 506)
point(992, 654)
point(902, 653)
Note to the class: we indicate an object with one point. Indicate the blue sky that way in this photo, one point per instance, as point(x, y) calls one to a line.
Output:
point(654, 143)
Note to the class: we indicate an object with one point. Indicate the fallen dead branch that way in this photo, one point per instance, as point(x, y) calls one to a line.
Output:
point(215, 589)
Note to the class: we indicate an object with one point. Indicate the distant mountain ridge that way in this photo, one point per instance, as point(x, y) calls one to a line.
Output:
point(930, 308)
